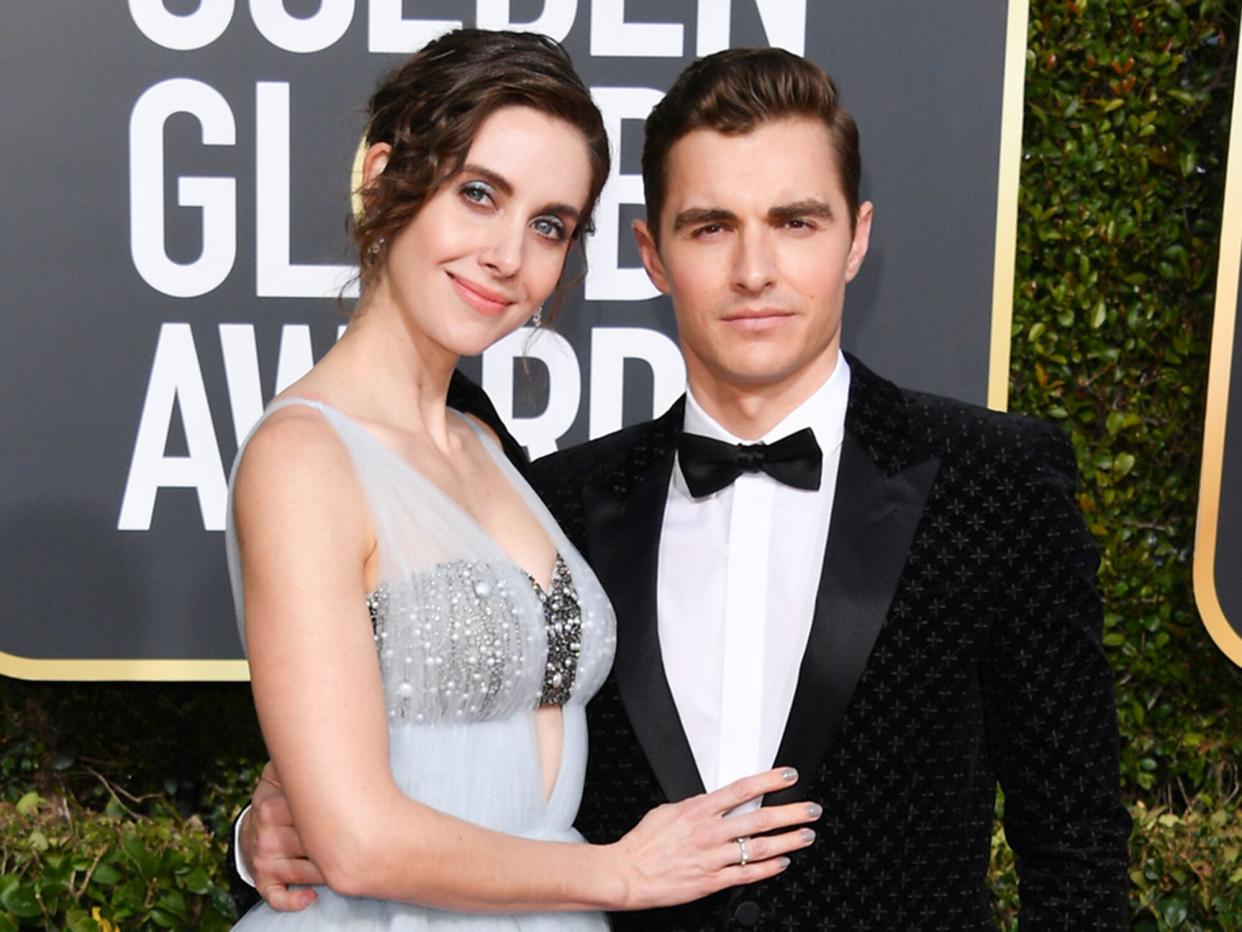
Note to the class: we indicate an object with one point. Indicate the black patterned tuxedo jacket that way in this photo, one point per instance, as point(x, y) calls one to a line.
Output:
point(955, 643)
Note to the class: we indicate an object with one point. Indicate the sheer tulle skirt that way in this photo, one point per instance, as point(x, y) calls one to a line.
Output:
point(331, 911)
point(343, 912)
point(487, 772)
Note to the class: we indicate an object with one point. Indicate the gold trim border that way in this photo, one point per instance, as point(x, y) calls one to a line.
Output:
point(1007, 185)
point(206, 671)
point(1010, 164)
point(1224, 325)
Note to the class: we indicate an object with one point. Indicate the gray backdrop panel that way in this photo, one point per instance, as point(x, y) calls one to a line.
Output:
point(924, 81)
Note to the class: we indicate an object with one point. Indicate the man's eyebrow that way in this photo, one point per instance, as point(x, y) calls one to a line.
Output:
point(692, 216)
point(499, 181)
point(810, 207)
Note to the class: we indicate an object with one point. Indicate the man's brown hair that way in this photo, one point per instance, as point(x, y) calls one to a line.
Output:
point(735, 91)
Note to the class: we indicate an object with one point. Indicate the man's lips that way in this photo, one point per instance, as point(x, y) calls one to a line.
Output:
point(481, 299)
point(757, 318)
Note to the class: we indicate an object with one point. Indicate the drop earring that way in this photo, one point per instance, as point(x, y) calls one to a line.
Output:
point(536, 319)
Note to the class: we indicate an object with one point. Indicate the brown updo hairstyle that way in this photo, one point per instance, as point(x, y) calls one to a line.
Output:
point(430, 108)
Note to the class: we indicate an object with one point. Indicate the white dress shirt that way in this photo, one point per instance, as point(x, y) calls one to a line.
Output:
point(738, 575)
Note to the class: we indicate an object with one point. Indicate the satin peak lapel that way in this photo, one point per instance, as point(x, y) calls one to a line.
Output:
point(623, 533)
point(874, 517)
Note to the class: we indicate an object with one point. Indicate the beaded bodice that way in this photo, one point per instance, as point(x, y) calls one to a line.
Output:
point(562, 617)
point(462, 633)
point(456, 630)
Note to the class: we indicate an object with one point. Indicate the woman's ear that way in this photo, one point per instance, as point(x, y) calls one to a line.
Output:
point(373, 164)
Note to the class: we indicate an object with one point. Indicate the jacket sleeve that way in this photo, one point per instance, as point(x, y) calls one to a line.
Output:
point(1051, 715)
point(244, 895)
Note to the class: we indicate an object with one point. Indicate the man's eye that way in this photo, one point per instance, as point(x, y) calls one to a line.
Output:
point(709, 229)
point(798, 223)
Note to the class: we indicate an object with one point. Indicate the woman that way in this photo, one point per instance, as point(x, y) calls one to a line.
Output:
point(369, 520)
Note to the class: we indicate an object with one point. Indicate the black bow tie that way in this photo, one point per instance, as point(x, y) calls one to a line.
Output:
point(710, 465)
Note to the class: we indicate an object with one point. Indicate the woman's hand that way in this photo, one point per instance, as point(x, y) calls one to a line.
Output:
point(272, 849)
point(684, 851)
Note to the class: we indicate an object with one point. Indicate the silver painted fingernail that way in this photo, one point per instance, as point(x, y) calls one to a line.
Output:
point(814, 810)
point(789, 775)
point(782, 863)
point(807, 835)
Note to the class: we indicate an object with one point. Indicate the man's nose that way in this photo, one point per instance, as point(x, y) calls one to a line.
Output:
point(754, 264)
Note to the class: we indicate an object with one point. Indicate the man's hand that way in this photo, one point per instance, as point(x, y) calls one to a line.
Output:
point(272, 849)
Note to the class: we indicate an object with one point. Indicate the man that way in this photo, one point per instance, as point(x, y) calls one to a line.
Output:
point(897, 600)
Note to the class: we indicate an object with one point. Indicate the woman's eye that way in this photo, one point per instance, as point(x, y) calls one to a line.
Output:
point(550, 227)
point(476, 192)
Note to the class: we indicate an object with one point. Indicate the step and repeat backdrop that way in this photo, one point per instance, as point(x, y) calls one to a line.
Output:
point(177, 183)
point(1218, 537)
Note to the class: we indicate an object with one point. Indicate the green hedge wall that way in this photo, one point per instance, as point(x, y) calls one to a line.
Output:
point(116, 803)
point(115, 800)
point(1124, 148)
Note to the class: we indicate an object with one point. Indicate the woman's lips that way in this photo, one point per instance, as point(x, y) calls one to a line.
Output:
point(481, 299)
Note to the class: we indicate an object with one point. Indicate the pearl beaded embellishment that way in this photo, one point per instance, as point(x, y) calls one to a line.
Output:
point(451, 643)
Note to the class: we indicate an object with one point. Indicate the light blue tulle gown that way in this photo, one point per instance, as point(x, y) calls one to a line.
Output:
point(462, 644)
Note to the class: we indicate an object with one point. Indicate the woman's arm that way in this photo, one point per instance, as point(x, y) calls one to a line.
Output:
point(305, 543)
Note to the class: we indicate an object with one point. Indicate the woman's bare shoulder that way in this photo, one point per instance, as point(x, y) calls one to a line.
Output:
point(295, 460)
point(292, 438)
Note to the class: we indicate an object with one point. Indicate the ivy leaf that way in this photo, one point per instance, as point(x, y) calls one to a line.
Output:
point(1099, 315)
point(197, 881)
point(21, 901)
point(105, 875)
point(137, 851)
point(1174, 911)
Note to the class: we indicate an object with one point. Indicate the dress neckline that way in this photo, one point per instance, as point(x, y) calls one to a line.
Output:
point(489, 447)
